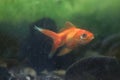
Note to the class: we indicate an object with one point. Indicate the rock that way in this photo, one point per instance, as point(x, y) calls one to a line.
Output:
point(22, 73)
point(35, 49)
point(94, 68)
point(4, 74)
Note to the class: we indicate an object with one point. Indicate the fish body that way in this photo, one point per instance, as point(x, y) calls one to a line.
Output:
point(70, 37)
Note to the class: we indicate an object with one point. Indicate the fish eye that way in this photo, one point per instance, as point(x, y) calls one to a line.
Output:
point(83, 36)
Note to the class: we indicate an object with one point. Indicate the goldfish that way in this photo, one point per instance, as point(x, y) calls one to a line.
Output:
point(70, 37)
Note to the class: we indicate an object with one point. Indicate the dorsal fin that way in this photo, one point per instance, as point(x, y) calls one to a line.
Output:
point(67, 26)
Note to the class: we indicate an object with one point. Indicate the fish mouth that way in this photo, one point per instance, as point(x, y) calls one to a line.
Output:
point(86, 41)
point(91, 39)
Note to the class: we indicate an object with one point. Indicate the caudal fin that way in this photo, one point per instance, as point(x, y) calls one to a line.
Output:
point(55, 37)
point(47, 32)
point(37, 28)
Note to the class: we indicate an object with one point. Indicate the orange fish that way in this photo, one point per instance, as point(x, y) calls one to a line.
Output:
point(70, 37)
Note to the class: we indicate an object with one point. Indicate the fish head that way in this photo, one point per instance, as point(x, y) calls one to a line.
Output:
point(83, 36)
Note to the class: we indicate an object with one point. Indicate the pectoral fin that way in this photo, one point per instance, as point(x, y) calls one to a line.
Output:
point(64, 51)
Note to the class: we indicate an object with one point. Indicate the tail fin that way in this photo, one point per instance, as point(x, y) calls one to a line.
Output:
point(37, 28)
point(52, 35)
point(47, 32)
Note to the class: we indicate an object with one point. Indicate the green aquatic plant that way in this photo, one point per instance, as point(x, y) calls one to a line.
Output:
point(91, 14)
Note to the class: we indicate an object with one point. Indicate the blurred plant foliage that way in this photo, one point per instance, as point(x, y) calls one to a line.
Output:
point(100, 16)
